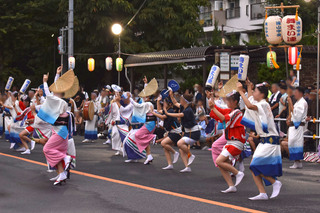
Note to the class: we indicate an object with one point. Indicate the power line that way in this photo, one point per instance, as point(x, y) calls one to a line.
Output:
point(135, 13)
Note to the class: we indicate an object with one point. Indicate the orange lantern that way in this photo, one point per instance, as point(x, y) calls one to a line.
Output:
point(91, 63)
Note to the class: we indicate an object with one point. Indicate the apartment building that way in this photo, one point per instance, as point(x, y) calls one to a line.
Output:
point(239, 17)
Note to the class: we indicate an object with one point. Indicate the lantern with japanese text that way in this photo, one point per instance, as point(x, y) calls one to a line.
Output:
point(213, 76)
point(291, 29)
point(91, 63)
point(243, 67)
point(271, 60)
point(109, 63)
point(71, 62)
point(292, 55)
point(119, 64)
point(9, 83)
point(272, 28)
point(25, 86)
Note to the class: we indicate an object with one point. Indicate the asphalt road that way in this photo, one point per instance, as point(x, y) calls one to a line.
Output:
point(25, 186)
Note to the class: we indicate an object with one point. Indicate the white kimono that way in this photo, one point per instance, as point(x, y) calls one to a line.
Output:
point(114, 116)
point(266, 159)
point(295, 132)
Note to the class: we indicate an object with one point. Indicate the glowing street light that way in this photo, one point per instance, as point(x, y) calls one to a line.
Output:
point(116, 29)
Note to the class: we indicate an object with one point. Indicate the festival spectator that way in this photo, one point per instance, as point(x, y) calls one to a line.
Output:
point(79, 123)
point(197, 93)
point(294, 79)
point(275, 99)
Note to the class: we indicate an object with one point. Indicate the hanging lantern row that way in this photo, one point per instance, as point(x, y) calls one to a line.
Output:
point(288, 29)
point(91, 64)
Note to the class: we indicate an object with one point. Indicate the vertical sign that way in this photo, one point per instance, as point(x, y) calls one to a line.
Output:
point(224, 66)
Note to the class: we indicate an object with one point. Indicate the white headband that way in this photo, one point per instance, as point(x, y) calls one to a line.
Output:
point(185, 100)
point(231, 93)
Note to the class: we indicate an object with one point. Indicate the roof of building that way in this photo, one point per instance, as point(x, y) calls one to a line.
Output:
point(202, 54)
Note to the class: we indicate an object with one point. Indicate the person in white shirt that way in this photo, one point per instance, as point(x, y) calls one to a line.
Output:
point(296, 122)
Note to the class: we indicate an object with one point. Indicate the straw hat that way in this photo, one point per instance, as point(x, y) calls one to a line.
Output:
point(229, 86)
point(64, 83)
point(74, 89)
point(150, 89)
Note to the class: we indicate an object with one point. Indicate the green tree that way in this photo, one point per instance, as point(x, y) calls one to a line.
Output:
point(27, 46)
point(271, 75)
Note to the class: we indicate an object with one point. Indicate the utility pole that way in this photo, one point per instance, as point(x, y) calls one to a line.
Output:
point(70, 29)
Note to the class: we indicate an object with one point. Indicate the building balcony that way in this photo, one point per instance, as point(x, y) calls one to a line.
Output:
point(233, 13)
point(207, 19)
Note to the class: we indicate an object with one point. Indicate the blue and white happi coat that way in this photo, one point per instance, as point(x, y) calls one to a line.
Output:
point(139, 113)
point(266, 159)
point(295, 132)
point(50, 111)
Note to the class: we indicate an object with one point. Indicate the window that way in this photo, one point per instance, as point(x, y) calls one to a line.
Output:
point(256, 11)
point(218, 5)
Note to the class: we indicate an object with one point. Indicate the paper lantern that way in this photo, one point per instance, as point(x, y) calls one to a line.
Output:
point(243, 67)
point(9, 83)
point(292, 55)
point(272, 60)
point(109, 63)
point(25, 86)
point(272, 29)
point(213, 75)
point(119, 64)
point(291, 29)
point(71, 62)
point(91, 64)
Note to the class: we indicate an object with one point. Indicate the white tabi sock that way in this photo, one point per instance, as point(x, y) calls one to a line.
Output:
point(276, 189)
point(261, 196)
point(231, 189)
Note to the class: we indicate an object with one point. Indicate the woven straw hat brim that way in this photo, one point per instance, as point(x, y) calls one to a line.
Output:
point(74, 89)
point(150, 89)
point(64, 83)
point(229, 86)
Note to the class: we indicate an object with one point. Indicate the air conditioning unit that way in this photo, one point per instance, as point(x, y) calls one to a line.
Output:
point(218, 5)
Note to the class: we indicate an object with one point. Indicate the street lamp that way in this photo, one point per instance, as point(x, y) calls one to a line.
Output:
point(117, 29)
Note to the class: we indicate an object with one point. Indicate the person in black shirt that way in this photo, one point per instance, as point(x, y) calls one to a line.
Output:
point(172, 126)
point(275, 99)
point(79, 99)
point(191, 128)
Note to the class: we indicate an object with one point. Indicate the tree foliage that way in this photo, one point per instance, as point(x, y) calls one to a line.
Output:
point(271, 75)
point(27, 48)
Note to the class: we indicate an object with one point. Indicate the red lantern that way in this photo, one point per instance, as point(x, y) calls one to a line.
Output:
point(292, 55)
